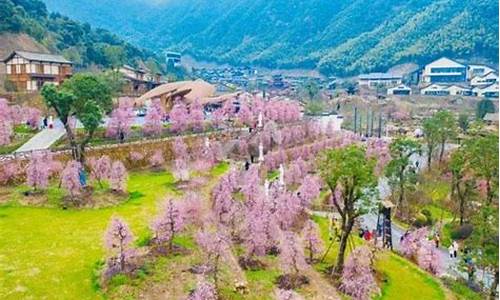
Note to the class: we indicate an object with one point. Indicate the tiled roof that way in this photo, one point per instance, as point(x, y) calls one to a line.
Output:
point(40, 57)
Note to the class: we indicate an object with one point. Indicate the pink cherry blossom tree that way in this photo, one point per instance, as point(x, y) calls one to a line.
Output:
point(100, 168)
point(246, 116)
point(196, 116)
point(429, 258)
point(168, 224)
point(358, 280)
point(153, 122)
point(120, 121)
point(118, 241)
point(10, 171)
point(412, 242)
point(181, 154)
point(118, 177)
point(312, 239)
point(309, 190)
point(292, 260)
point(156, 160)
point(216, 248)
point(70, 178)
point(32, 116)
point(282, 294)
point(203, 291)
point(38, 171)
point(6, 132)
point(179, 117)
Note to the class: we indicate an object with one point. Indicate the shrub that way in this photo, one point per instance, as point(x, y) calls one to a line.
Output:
point(461, 232)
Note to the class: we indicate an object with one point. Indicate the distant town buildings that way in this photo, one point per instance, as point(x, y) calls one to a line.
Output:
point(373, 80)
point(444, 70)
point(29, 71)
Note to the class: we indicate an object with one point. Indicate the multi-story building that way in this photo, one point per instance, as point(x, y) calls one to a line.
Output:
point(373, 80)
point(173, 58)
point(139, 81)
point(478, 70)
point(484, 80)
point(29, 71)
point(444, 70)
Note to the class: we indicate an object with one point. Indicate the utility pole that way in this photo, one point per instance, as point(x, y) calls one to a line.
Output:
point(355, 118)
point(371, 124)
point(380, 125)
point(367, 121)
point(360, 124)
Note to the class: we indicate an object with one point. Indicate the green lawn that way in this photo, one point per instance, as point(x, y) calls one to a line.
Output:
point(50, 253)
point(403, 280)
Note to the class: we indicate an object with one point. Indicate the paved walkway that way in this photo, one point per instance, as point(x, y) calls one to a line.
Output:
point(44, 139)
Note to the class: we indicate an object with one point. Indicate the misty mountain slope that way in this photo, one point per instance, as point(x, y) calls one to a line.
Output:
point(339, 37)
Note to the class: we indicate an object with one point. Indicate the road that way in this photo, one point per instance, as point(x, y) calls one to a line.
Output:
point(43, 139)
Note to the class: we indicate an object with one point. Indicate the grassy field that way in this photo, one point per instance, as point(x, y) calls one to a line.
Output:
point(50, 253)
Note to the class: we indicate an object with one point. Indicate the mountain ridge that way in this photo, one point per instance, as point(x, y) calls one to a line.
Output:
point(337, 37)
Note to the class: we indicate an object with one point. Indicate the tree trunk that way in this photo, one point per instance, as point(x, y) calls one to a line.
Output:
point(494, 285)
point(441, 153)
point(429, 156)
point(346, 231)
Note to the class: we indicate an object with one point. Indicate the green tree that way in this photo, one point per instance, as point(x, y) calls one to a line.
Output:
point(348, 170)
point(482, 151)
point(483, 243)
point(400, 170)
point(463, 122)
point(483, 107)
point(446, 129)
point(431, 138)
point(85, 97)
point(461, 185)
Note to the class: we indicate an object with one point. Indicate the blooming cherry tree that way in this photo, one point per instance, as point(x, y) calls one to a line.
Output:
point(312, 239)
point(156, 160)
point(216, 247)
point(358, 280)
point(291, 256)
point(118, 177)
point(168, 223)
point(203, 291)
point(179, 117)
point(196, 116)
point(153, 122)
point(70, 178)
point(38, 171)
point(100, 168)
point(121, 120)
point(118, 240)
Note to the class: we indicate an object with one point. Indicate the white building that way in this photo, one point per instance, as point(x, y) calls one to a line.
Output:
point(459, 90)
point(400, 90)
point(444, 70)
point(478, 70)
point(372, 80)
point(490, 91)
point(435, 90)
point(484, 80)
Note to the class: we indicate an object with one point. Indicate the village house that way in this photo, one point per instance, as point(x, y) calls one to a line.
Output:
point(139, 81)
point(484, 80)
point(373, 80)
point(400, 90)
point(478, 70)
point(29, 71)
point(490, 91)
point(435, 90)
point(173, 58)
point(444, 70)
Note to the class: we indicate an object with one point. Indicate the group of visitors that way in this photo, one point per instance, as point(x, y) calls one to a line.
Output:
point(48, 122)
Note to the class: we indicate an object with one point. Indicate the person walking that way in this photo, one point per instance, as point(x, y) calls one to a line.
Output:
point(51, 122)
point(450, 250)
point(455, 249)
point(45, 122)
point(436, 240)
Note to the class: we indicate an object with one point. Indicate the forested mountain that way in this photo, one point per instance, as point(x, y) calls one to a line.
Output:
point(77, 41)
point(339, 37)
